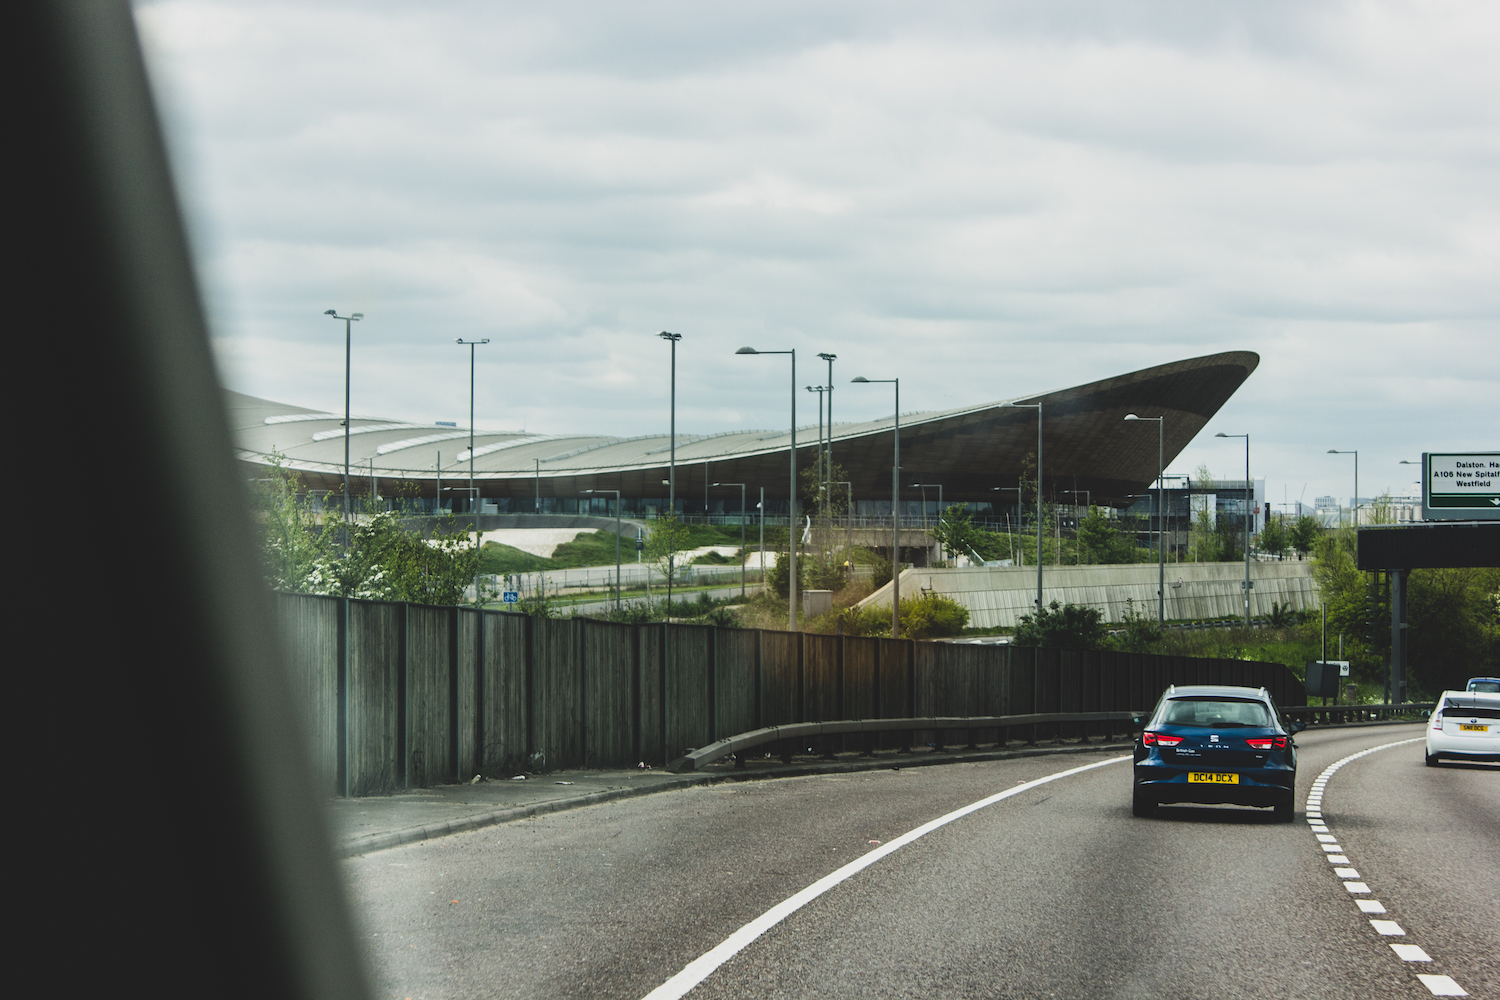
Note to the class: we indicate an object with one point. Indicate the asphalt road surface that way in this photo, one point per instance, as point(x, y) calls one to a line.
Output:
point(1054, 891)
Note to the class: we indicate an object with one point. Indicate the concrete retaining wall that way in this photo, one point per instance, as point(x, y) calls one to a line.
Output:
point(999, 596)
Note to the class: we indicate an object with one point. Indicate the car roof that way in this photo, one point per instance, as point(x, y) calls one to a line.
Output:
point(1218, 691)
point(1480, 697)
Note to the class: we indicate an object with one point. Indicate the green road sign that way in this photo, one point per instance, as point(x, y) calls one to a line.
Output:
point(1461, 486)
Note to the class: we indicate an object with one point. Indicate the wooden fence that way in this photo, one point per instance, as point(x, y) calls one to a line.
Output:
point(406, 695)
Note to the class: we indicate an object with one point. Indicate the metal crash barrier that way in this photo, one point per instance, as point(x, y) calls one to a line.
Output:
point(803, 730)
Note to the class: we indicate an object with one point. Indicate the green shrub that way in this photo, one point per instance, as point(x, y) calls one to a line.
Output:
point(933, 616)
point(1062, 626)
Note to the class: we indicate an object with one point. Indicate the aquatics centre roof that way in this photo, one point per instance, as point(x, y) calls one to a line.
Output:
point(1087, 445)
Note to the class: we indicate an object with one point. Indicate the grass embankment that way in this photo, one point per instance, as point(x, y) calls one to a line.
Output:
point(597, 548)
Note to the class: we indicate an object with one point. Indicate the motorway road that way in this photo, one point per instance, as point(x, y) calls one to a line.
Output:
point(1056, 891)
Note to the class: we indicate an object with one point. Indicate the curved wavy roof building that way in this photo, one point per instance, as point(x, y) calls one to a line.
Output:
point(1087, 445)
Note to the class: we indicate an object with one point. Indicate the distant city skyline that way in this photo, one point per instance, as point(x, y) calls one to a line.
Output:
point(983, 202)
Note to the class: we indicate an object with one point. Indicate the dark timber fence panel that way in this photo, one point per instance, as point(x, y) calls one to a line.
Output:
point(689, 703)
point(734, 685)
point(468, 650)
point(377, 740)
point(311, 628)
point(505, 693)
point(429, 689)
point(610, 661)
point(556, 701)
point(407, 695)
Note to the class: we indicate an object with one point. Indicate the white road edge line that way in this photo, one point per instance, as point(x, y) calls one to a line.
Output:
point(1439, 986)
point(702, 967)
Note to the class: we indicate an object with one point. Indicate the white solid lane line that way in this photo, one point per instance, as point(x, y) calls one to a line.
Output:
point(1438, 986)
point(702, 967)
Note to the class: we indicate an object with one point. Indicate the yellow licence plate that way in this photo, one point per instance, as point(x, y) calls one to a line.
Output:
point(1197, 777)
point(1473, 729)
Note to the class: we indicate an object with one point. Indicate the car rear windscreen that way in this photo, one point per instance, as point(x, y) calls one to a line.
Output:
point(1457, 708)
point(1215, 713)
point(1488, 687)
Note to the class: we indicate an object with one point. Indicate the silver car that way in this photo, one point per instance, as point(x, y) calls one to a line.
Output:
point(1464, 726)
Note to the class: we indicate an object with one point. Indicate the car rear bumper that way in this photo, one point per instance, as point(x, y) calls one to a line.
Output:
point(1485, 747)
point(1258, 787)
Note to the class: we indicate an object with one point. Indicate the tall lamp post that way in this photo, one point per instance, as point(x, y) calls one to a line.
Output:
point(617, 544)
point(820, 389)
point(672, 338)
point(1354, 503)
point(1038, 407)
point(895, 506)
point(1221, 434)
point(1088, 501)
point(742, 533)
point(1018, 551)
point(791, 502)
point(828, 441)
point(1161, 517)
point(348, 345)
point(923, 488)
point(473, 508)
point(848, 518)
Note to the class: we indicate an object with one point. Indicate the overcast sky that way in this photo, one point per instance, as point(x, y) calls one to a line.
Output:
point(985, 199)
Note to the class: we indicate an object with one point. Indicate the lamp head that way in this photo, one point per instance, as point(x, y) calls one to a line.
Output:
point(1131, 416)
point(674, 337)
point(828, 357)
point(747, 350)
point(356, 316)
point(859, 378)
point(330, 312)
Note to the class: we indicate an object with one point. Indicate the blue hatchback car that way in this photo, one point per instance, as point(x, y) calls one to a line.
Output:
point(1216, 743)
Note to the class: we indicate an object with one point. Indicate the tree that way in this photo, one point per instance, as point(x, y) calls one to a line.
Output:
point(1304, 533)
point(299, 553)
point(1062, 626)
point(955, 531)
point(382, 560)
point(1274, 537)
point(669, 536)
point(1104, 542)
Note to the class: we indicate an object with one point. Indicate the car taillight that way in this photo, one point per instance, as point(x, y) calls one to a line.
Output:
point(1160, 739)
point(1437, 720)
point(1267, 743)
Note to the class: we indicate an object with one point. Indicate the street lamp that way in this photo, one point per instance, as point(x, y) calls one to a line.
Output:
point(742, 533)
point(1017, 551)
point(1038, 407)
point(828, 462)
point(348, 344)
point(617, 546)
point(895, 507)
point(1088, 502)
point(471, 344)
point(819, 389)
point(923, 488)
point(791, 503)
point(848, 517)
point(1354, 503)
point(672, 338)
point(1161, 538)
point(1221, 434)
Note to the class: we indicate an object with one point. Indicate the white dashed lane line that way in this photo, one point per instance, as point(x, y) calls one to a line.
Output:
point(1439, 986)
